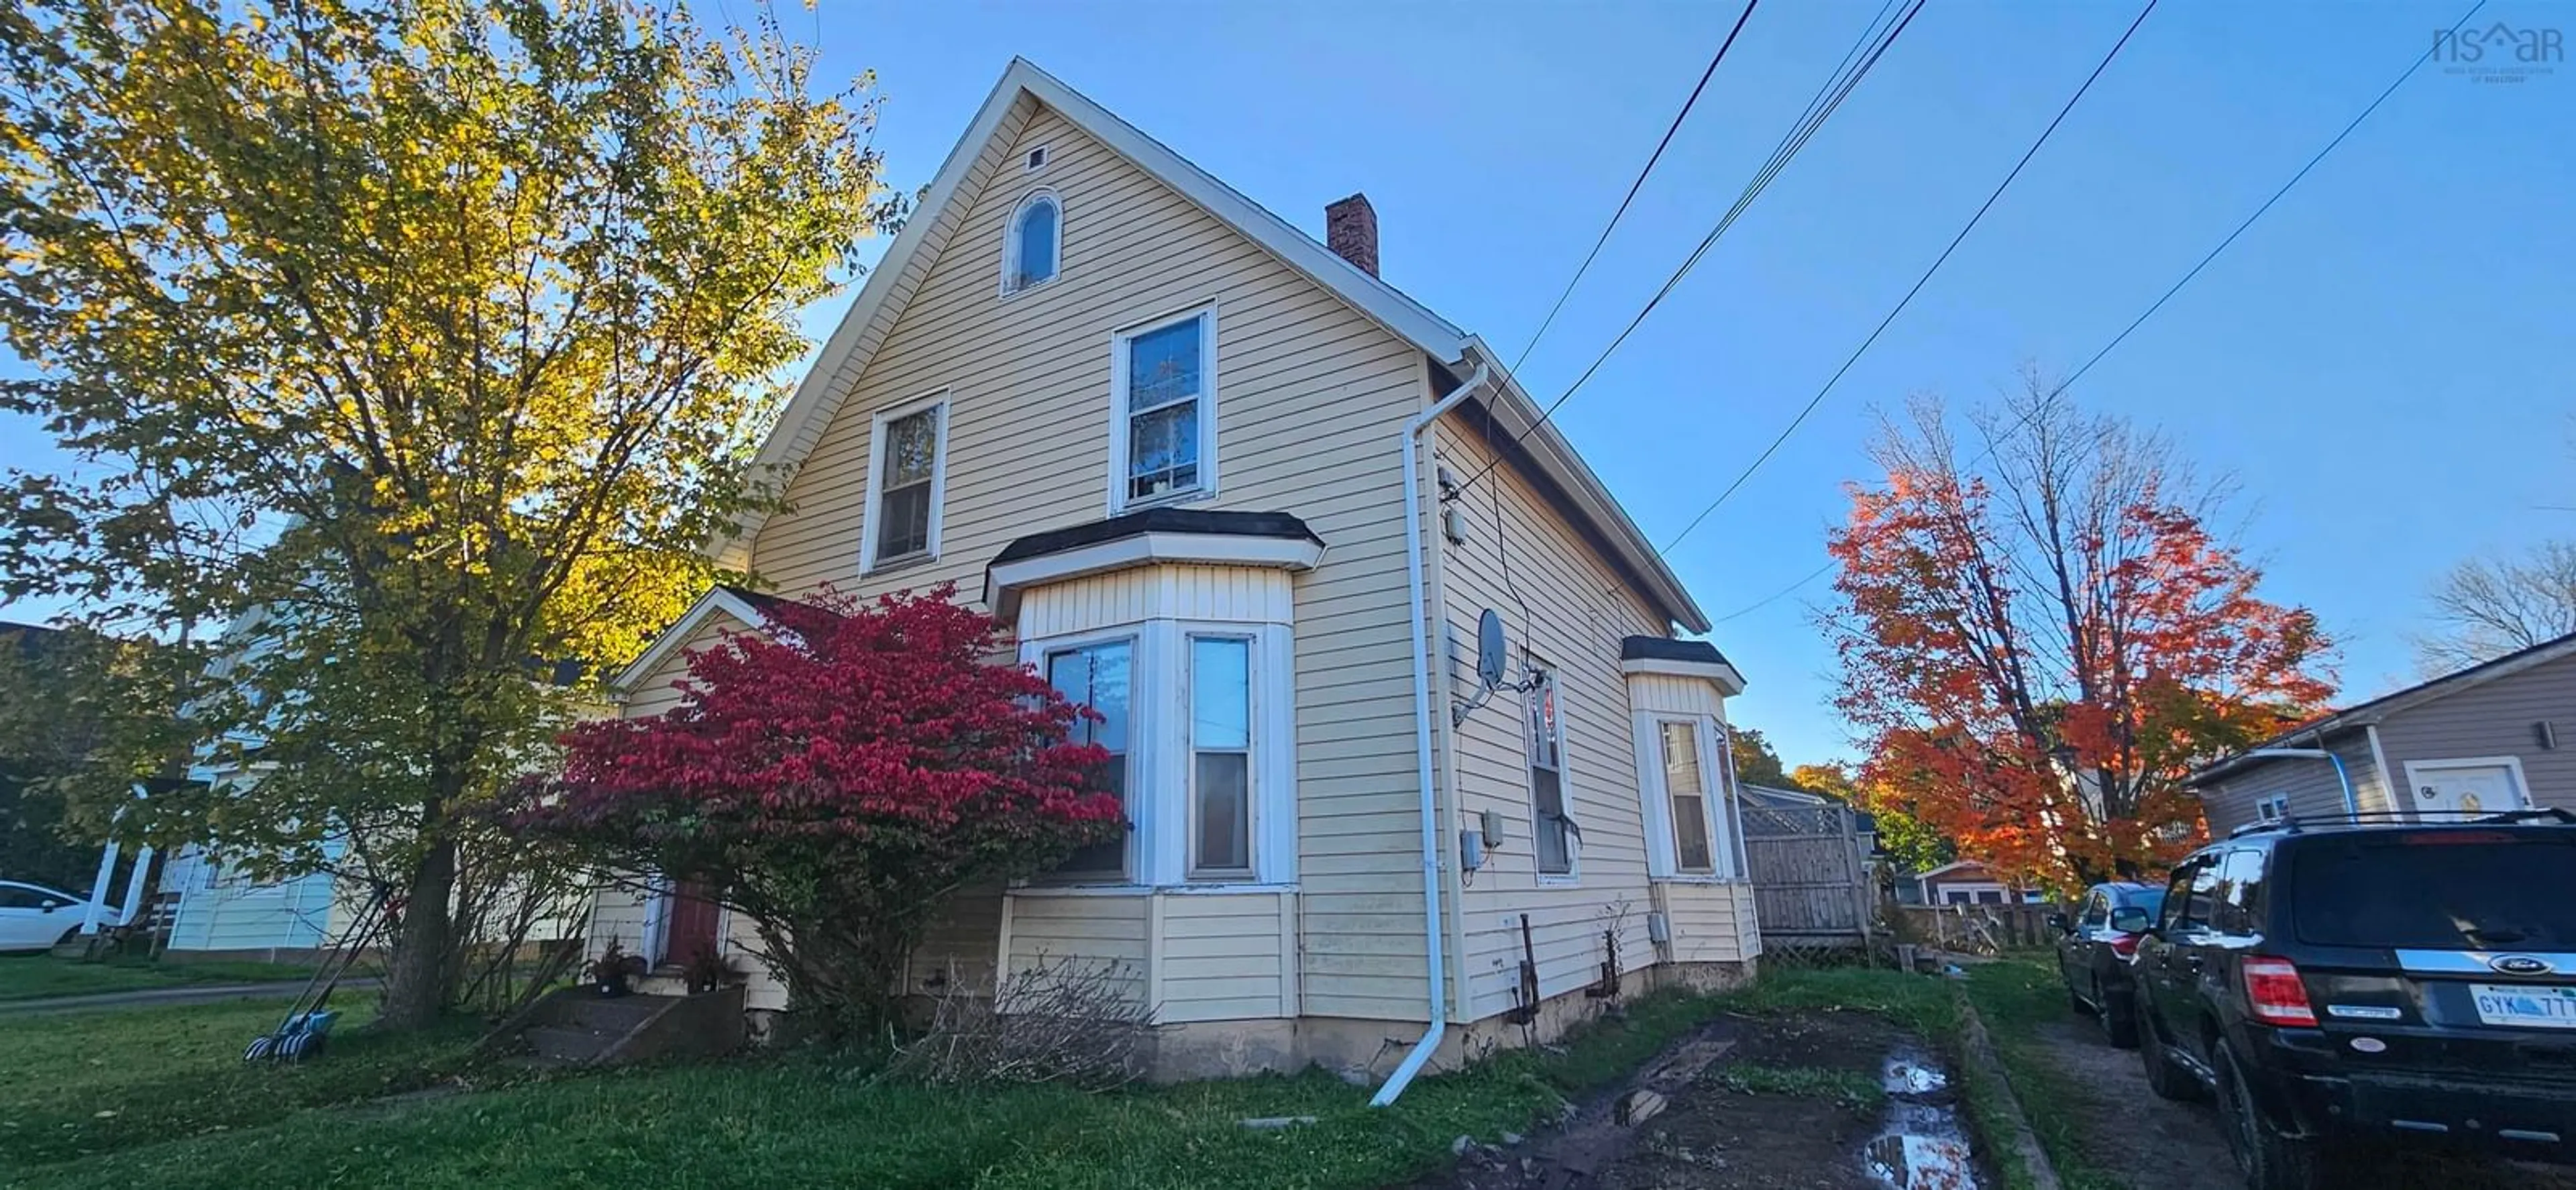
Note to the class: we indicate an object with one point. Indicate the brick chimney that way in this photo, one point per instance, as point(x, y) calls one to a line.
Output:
point(1350, 230)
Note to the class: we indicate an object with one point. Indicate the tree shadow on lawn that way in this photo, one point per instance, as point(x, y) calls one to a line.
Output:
point(85, 1083)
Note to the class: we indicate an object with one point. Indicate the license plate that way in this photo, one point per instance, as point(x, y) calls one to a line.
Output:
point(2529, 1007)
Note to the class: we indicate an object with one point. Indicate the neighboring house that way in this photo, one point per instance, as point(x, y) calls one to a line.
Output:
point(2479, 741)
point(1969, 882)
point(1165, 437)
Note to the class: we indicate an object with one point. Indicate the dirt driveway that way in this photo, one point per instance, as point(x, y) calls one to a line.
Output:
point(2151, 1144)
point(1786, 1102)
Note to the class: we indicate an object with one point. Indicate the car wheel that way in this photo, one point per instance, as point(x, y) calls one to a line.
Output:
point(2164, 1078)
point(69, 936)
point(2120, 1020)
point(2269, 1160)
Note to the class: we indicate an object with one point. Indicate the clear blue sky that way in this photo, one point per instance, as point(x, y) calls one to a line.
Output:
point(2383, 363)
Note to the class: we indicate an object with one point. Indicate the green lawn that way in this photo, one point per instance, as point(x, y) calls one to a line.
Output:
point(39, 976)
point(187, 1112)
point(2014, 997)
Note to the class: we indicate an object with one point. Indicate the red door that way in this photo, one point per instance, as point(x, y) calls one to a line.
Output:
point(692, 926)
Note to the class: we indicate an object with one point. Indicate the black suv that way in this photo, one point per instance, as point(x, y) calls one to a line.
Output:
point(2336, 983)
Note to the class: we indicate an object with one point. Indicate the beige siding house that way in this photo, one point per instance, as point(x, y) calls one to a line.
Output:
point(1166, 438)
point(2483, 740)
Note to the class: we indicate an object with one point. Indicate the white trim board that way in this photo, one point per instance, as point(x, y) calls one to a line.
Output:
point(1719, 673)
point(1008, 580)
point(717, 599)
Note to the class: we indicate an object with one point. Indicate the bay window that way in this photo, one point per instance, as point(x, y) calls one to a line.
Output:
point(1198, 720)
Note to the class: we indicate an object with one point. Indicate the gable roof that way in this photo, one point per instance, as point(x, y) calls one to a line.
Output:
point(2377, 710)
point(942, 211)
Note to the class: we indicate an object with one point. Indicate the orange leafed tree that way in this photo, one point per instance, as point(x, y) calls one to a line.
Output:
point(2039, 642)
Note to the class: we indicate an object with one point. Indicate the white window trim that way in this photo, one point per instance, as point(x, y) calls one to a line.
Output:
point(1717, 808)
point(1011, 241)
point(1205, 311)
point(938, 402)
point(1159, 760)
point(2278, 803)
point(1573, 873)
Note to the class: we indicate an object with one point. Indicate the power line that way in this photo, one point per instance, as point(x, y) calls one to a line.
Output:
point(1820, 108)
point(1919, 283)
point(1775, 596)
point(2159, 304)
point(1639, 184)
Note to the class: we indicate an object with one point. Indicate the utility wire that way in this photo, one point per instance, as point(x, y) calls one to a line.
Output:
point(2042, 406)
point(1828, 99)
point(2159, 304)
point(1919, 283)
point(1639, 184)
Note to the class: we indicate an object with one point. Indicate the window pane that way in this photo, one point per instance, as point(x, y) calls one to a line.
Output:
point(1037, 244)
point(1220, 693)
point(1163, 365)
point(903, 522)
point(1549, 829)
point(1096, 676)
point(912, 446)
point(1163, 450)
point(1225, 801)
point(1690, 833)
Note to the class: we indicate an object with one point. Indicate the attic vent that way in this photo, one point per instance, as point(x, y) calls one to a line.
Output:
point(1037, 159)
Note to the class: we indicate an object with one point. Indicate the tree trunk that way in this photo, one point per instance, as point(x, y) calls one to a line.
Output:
point(416, 993)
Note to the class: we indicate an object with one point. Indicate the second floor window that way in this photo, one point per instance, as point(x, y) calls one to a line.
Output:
point(903, 501)
point(1166, 426)
point(1030, 257)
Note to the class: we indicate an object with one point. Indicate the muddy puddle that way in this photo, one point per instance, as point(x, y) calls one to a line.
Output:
point(1924, 1145)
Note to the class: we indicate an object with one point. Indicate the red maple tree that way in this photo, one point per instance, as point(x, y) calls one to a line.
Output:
point(835, 778)
point(2036, 653)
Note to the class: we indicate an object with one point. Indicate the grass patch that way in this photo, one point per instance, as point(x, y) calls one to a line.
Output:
point(2015, 998)
point(187, 1111)
point(40, 977)
point(78, 1084)
point(794, 1119)
point(1857, 1093)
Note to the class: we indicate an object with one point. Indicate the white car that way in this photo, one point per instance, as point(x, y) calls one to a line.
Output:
point(34, 917)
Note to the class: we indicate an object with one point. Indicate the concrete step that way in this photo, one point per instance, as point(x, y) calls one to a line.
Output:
point(569, 1044)
point(618, 1015)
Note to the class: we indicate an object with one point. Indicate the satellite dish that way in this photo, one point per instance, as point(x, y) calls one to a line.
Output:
point(1489, 648)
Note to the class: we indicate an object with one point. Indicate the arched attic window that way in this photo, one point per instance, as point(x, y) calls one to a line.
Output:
point(1030, 256)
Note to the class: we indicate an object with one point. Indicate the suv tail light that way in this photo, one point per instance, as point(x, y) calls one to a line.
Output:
point(2125, 945)
point(2276, 993)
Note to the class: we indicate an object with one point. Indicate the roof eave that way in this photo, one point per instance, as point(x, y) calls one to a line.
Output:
point(1557, 458)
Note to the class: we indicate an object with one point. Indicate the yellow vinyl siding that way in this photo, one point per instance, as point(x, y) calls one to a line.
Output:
point(658, 691)
point(1578, 609)
point(1107, 933)
point(1711, 923)
point(1224, 956)
point(1311, 397)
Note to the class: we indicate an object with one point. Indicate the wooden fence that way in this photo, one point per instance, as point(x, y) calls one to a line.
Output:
point(1810, 887)
point(1977, 929)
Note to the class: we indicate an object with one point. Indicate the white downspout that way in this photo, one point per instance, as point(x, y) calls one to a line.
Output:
point(1437, 963)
